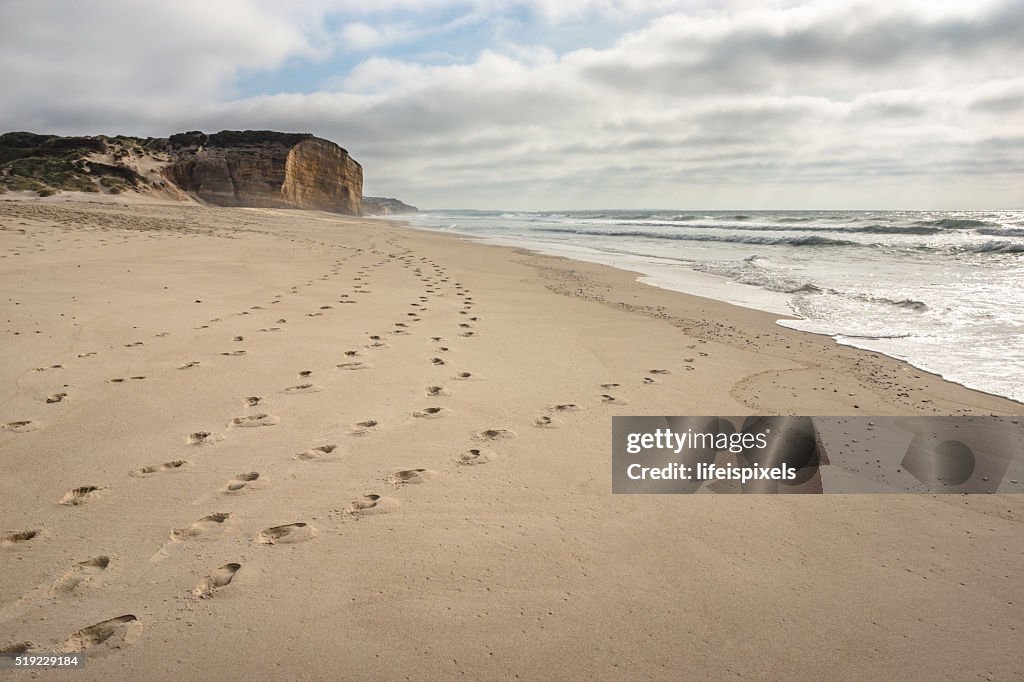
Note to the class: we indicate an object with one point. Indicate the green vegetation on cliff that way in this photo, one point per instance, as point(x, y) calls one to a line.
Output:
point(48, 163)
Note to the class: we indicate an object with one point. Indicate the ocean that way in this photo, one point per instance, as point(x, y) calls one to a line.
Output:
point(942, 290)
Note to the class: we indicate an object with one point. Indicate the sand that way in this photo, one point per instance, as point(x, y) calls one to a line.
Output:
point(259, 444)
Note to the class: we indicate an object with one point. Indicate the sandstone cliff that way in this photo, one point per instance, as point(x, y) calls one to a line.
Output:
point(266, 169)
point(256, 168)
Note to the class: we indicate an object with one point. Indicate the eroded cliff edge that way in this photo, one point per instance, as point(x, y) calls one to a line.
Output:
point(252, 168)
point(260, 168)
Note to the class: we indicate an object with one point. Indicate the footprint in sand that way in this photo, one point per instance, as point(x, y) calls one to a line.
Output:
point(608, 387)
point(566, 407)
point(410, 476)
point(269, 329)
point(234, 353)
point(118, 632)
point(173, 465)
point(496, 434)
point(612, 400)
point(221, 577)
point(80, 574)
point(238, 338)
point(305, 373)
point(204, 527)
point(189, 365)
point(650, 380)
point(240, 481)
point(134, 344)
point(468, 334)
point(22, 426)
point(371, 503)
point(473, 456)
point(431, 413)
point(86, 355)
point(258, 419)
point(19, 537)
point(545, 422)
point(80, 495)
point(253, 400)
point(316, 453)
point(658, 371)
point(437, 391)
point(304, 388)
point(287, 534)
point(354, 366)
point(467, 376)
point(115, 381)
point(203, 438)
point(56, 397)
point(363, 428)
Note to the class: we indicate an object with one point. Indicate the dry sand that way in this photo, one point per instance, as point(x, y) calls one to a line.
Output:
point(375, 497)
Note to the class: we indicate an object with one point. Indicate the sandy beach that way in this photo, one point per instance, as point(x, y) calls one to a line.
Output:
point(273, 444)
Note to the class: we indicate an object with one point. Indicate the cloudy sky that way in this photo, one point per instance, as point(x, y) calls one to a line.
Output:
point(531, 104)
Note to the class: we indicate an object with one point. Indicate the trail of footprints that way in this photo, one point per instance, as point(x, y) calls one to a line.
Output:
point(481, 450)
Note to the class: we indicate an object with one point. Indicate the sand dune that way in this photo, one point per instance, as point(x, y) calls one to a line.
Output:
point(269, 444)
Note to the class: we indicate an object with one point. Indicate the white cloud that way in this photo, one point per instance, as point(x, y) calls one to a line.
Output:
point(836, 101)
point(359, 36)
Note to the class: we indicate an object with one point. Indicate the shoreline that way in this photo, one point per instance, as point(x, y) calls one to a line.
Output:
point(212, 414)
point(732, 309)
point(715, 287)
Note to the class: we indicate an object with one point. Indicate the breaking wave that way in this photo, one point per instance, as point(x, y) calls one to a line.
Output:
point(808, 240)
point(998, 247)
point(955, 223)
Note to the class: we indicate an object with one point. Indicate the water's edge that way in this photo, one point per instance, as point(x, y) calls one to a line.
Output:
point(753, 302)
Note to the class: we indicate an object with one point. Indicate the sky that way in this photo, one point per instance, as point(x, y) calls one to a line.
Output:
point(561, 104)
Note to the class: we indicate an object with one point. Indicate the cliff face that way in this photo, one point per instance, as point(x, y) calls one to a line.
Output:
point(257, 168)
point(266, 169)
point(320, 174)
